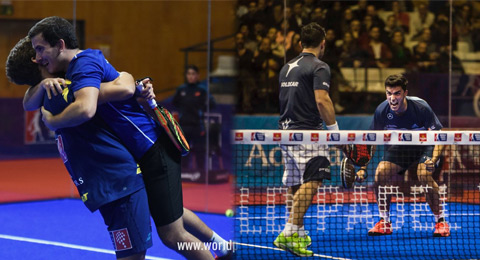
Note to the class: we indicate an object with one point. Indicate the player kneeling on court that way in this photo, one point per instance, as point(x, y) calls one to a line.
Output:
point(400, 112)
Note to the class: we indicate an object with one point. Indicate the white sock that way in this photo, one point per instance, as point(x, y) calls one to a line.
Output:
point(290, 229)
point(437, 217)
point(302, 232)
point(222, 248)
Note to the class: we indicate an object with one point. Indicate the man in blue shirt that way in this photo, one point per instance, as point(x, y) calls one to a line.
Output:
point(102, 169)
point(398, 112)
point(56, 49)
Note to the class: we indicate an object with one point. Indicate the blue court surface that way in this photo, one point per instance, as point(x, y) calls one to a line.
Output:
point(336, 234)
point(67, 230)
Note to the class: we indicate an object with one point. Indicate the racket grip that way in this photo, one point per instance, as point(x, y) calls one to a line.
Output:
point(151, 102)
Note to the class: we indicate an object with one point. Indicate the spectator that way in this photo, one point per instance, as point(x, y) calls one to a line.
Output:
point(332, 16)
point(277, 48)
point(422, 62)
point(426, 37)
point(250, 43)
point(475, 34)
point(350, 53)
point(391, 26)
point(360, 9)
point(463, 21)
point(246, 82)
point(296, 47)
point(346, 20)
point(440, 31)
point(420, 19)
point(298, 18)
point(191, 101)
point(443, 61)
point(358, 34)
point(378, 53)
point(267, 66)
point(317, 15)
point(401, 55)
point(284, 35)
point(376, 20)
point(402, 17)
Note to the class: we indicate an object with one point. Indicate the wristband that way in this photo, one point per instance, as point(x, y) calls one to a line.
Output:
point(333, 127)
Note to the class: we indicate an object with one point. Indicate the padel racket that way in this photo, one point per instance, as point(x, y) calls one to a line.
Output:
point(347, 173)
point(360, 154)
point(169, 124)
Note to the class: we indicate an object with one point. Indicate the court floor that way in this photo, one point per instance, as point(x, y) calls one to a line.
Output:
point(338, 235)
point(66, 230)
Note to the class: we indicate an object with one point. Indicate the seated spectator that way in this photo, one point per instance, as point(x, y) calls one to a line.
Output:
point(378, 53)
point(284, 39)
point(345, 21)
point(299, 18)
point(426, 36)
point(332, 16)
point(391, 26)
point(420, 19)
point(376, 20)
point(359, 36)
point(402, 17)
point(421, 60)
point(245, 82)
point(317, 15)
point(350, 53)
point(250, 42)
point(475, 34)
point(463, 21)
point(401, 55)
point(443, 61)
point(267, 66)
point(440, 31)
point(278, 49)
point(360, 9)
point(295, 49)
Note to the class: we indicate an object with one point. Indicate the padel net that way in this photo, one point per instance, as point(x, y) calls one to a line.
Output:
point(340, 220)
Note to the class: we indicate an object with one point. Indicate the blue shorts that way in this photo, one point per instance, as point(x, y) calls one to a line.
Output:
point(128, 222)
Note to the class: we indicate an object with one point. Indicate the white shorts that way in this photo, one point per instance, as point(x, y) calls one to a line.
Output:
point(295, 158)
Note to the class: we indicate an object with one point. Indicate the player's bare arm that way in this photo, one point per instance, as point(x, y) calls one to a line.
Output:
point(121, 88)
point(33, 98)
point(431, 163)
point(325, 107)
point(78, 112)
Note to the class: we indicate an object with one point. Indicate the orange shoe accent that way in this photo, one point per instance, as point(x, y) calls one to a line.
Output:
point(381, 228)
point(442, 229)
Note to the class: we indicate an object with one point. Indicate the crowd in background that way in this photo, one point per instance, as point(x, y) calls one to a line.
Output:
point(413, 35)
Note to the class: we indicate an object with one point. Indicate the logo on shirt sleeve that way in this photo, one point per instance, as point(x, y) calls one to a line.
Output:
point(121, 239)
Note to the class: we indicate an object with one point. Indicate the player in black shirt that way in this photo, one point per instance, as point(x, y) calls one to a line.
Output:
point(304, 104)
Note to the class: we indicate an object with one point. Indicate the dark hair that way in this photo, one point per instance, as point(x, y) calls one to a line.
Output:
point(312, 35)
point(20, 68)
point(192, 67)
point(396, 80)
point(53, 29)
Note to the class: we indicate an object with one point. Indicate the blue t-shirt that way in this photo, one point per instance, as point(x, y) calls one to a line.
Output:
point(418, 116)
point(135, 128)
point(102, 169)
point(299, 78)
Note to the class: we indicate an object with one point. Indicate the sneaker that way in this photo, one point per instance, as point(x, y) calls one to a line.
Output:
point(307, 240)
point(441, 229)
point(381, 228)
point(294, 244)
point(228, 256)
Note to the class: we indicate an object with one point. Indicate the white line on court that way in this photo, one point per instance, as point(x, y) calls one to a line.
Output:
point(53, 243)
point(278, 249)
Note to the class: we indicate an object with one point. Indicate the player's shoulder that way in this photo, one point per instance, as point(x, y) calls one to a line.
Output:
point(382, 107)
point(418, 102)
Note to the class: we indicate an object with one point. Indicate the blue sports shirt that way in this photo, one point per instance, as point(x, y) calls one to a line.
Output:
point(418, 116)
point(135, 128)
point(102, 169)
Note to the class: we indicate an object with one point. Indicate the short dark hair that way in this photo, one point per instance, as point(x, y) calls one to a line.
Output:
point(20, 68)
point(312, 35)
point(53, 29)
point(192, 67)
point(396, 80)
